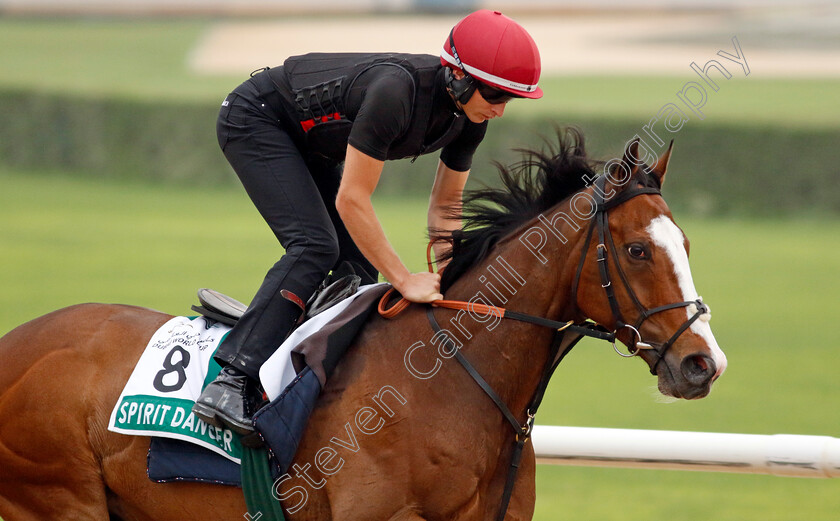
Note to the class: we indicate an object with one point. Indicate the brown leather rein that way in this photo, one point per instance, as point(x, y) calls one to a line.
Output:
point(586, 329)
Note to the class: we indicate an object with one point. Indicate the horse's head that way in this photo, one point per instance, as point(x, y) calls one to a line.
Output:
point(634, 278)
point(632, 275)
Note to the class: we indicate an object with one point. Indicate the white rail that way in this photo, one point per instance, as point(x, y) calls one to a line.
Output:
point(778, 455)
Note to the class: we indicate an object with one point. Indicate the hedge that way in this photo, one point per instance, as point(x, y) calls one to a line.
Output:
point(715, 169)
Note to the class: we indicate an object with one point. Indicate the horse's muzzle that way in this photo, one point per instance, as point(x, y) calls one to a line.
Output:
point(698, 370)
point(691, 379)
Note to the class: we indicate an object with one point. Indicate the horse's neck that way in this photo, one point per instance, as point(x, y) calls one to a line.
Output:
point(511, 354)
point(521, 275)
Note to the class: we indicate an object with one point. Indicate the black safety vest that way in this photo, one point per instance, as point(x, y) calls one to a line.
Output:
point(316, 87)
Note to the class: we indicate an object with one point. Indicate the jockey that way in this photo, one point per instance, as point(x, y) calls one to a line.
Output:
point(287, 131)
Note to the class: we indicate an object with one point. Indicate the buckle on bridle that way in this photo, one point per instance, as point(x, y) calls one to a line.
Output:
point(601, 252)
point(639, 345)
point(525, 433)
point(565, 326)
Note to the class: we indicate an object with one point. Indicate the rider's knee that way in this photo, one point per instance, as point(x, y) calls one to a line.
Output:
point(321, 251)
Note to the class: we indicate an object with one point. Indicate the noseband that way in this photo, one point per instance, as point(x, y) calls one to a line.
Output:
point(600, 222)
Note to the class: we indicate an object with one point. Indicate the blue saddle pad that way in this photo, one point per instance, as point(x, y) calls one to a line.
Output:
point(175, 460)
point(282, 422)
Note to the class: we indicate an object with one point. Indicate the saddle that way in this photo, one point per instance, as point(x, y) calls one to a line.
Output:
point(219, 307)
point(336, 287)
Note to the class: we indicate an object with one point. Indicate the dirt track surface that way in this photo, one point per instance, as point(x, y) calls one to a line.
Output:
point(782, 42)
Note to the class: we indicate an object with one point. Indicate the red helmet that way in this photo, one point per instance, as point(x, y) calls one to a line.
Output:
point(495, 50)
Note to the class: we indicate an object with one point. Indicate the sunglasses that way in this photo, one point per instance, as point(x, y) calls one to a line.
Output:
point(493, 95)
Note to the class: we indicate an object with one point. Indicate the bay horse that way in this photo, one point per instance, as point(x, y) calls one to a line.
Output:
point(400, 431)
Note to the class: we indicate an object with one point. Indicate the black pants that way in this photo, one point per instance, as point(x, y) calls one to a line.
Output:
point(296, 197)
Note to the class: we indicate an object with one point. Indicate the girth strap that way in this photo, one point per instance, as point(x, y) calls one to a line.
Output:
point(515, 459)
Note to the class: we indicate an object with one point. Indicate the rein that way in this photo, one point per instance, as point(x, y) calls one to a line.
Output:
point(600, 222)
point(585, 329)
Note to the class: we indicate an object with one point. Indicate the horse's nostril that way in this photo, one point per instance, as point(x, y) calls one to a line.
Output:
point(698, 369)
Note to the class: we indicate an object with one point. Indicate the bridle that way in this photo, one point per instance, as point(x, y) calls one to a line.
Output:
point(600, 222)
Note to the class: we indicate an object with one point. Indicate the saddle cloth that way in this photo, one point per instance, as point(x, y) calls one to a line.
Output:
point(178, 362)
point(158, 397)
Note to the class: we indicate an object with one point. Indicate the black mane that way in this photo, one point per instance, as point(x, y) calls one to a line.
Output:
point(531, 186)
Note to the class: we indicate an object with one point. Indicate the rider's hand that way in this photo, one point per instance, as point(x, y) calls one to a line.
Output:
point(420, 287)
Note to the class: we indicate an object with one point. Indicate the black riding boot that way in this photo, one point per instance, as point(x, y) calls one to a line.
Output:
point(228, 401)
point(231, 399)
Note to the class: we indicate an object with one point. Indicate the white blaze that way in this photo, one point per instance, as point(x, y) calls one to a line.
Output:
point(669, 237)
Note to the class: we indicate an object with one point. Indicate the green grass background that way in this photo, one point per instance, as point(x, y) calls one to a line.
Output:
point(67, 240)
point(66, 237)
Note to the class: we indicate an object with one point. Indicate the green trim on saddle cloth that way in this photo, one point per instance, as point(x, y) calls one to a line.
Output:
point(258, 486)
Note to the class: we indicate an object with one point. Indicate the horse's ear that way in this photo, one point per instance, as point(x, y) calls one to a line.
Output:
point(631, 156)
point(622, 171)
point(661, 165)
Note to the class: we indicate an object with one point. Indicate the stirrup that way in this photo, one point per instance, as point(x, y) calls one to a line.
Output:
point(219, 307)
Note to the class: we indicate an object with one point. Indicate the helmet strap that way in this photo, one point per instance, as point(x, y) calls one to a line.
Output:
point(460, 90)
point(463, 89)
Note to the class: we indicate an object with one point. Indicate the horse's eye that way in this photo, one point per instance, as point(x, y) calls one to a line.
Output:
point(638, 251)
